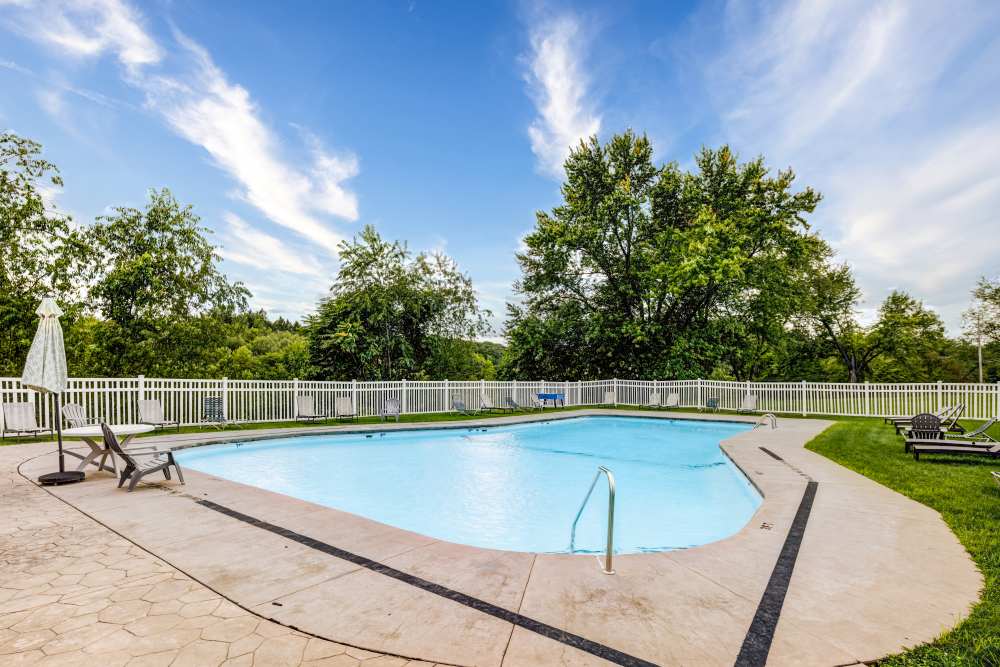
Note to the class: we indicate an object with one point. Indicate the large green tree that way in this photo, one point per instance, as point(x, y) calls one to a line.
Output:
point(159, 290)
point(906, 342)
point(392, 315)
point(41, 251)
point(653, 271)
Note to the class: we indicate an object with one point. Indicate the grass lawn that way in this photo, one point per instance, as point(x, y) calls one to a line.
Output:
point(967, 497)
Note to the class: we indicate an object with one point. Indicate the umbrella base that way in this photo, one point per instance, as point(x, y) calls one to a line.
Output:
point(56, 478)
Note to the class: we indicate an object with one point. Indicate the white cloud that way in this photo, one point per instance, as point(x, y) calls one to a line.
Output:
point(244, 244)
point(198, 102)
point(899, 136)
point(558, 86)
point(51, 102)
point(209, 111)
point(88, 28)
point(13, 66)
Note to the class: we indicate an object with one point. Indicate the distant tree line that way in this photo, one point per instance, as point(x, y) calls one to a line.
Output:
point(644, 271)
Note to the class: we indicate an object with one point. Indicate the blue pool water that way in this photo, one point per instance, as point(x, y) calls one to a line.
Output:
point(513, 487)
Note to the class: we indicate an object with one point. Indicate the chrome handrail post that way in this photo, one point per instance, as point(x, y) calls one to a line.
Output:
point(611, 516)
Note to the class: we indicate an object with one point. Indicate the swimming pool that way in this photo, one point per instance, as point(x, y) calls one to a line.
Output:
point(513, 487)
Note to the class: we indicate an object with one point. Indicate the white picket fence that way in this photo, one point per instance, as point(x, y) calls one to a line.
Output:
point(115, 399)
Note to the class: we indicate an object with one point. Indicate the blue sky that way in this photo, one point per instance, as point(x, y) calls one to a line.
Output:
point(289, 126)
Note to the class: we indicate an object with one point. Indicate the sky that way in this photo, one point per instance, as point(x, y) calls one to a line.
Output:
point(289, 126)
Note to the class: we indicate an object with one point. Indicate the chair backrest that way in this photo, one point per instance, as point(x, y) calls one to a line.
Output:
point(673, 400)
point(391, 406)
point(306, 405)
point(75, 415)
point(112, 441)
point(953, 418)
point(211, 408)
point(925, 426)
point(458, 405)
point(981, 429)
point(19, 417)
point(486, 402)
point(712, 402)
point(749, 402)
point(654, 398)
point(343, 406)
point(609, 397)
point(151, 411)
point(511, 403)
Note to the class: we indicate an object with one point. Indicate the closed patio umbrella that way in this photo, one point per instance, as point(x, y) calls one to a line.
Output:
point(45, 371)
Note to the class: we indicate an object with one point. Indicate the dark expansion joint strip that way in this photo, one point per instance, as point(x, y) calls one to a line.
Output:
point(757, 643)
point(562, 636)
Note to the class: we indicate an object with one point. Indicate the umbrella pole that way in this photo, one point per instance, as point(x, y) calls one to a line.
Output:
point(58, 418)
point(61, 477)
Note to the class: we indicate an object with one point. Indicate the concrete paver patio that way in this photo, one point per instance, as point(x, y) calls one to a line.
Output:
point(867, 552)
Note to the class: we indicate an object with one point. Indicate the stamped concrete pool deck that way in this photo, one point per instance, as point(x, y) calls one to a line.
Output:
point(866, 553)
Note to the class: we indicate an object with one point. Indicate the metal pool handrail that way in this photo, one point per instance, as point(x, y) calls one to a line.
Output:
point(768, 418)
point(611, 516)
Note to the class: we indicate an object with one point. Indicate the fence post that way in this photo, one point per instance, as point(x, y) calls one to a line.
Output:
point(404, 404)
point(142, 387)
point(482, 390)
point(701, 402)
point(616, 391)
point(225, 398)
point(354, 396)
point(295, 398)
point(514, 391)
point(803, 398)
point(447, 405)
point(939, 396)
point(868, 399)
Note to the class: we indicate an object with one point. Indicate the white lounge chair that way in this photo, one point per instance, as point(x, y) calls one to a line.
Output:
point(19, 418)
point(749, 403)
point(654, 400)
point(458, 405)
point(673, 401)
point(610, 398)
point(343, 408)
point(486, 404)
point(76, 415)
point(390, 409)
point(305, 408)
point(151, 412)
point(510, 404)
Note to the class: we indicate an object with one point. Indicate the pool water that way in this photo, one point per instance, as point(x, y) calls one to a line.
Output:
point(513, 487)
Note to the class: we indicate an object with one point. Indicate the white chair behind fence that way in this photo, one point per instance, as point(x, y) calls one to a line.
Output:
point(305, 407)
point(76, 416)
point(343, 408)
point(151, 412)
point(19, 418)
point(749, 403)
point(390, 409)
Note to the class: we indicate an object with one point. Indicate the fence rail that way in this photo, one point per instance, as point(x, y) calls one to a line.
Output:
point(115, 399)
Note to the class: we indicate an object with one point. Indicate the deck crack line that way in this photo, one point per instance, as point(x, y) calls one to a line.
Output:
point(543, 629)
point(520, 603)
point(757, 643)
